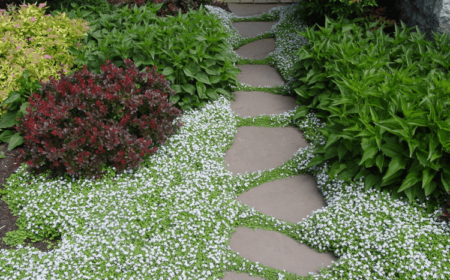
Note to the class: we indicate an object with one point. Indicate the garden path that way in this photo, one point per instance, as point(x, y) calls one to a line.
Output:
point(261, 148)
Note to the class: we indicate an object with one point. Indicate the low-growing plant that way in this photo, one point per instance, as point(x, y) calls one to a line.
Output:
point(191, 49)
point(169, 7)
point(29, 44)
point(385, 105)
point(85, 121)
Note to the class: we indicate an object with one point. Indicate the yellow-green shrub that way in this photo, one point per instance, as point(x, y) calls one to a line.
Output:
point(36, 42)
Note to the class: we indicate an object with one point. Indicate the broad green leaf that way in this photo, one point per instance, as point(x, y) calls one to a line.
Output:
point(429, 189)
point(342, 150)
point(427, 176)
point(23, 108)
point(437, 154)
point(211, 93)
point(9, 119)
point(200, 38)
point(411, 193)
point(445, 179)
point(202, 77)
point(392, 149)
point(412, 144)
point(336, 168)
point(189, 88)
point(14, 141)
point(379, 162)
point(370, 181)
point(10, 99)
point(6, 135)
point(333, 138)
point(211, 72)
point(174, 99)
point(369, 153)
point(421, 155)
point(188, 72)
point(396, 164)
point(330, 152)
point(410, 180)
point(432, 144)
point(301, 111)
point(224, 92)
point(315, 161)
point(201, 89)
point(214, 79)
point(167, 71)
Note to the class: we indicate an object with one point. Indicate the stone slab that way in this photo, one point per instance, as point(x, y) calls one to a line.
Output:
point(256, 103)
point(253, 28)
point(276, 250)
point(259, 76)
point(257, 50)
point(261, 148)
point(251, 9)
point(290, 199)
point(232, 275)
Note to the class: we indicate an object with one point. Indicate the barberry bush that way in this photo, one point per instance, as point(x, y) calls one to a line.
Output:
point(85, 121)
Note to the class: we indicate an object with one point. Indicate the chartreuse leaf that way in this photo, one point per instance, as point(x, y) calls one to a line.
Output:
point(410, 180)
point(396, 164)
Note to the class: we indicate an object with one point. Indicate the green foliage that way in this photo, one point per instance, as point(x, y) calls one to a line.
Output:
point(314, 11)
point(29, 44)
point(190, 49)
point(386, 106)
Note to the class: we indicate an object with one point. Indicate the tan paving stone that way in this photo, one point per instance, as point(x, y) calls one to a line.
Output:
point(276, 250)
point(256, 103)
point(290, 199)
point(257, 50)
point(232, 275)
point(261, 148)
point(253, 28)
point(259, 75)
point(252, 9)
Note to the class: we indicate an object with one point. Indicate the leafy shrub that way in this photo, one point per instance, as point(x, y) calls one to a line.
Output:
point(84, 121)
point(385, 105)
point(169, 7)
point(29, 44)
point(377, 16)
point(314, 11)
point(191, 49)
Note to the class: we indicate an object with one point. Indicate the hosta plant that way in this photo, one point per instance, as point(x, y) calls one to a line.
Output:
point(190, 49)
point(84, 121)
point(386, 106)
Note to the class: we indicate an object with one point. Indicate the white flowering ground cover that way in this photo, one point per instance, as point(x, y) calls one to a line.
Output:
point(172, 218)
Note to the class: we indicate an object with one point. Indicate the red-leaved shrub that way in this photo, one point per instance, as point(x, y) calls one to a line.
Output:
point(86, 120)
point(170, 7)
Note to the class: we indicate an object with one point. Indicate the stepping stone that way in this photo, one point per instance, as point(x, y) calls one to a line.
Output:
point(251, 9)
point(232, 275)
point(257, 50)
point(253, 28)
point(276, 250)
point(259, 76)
point(261, 148)
point(290, 199)
point(256, 103)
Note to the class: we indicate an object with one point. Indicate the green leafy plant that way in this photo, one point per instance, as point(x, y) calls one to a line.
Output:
point(386, 121)
point(191, 49)
point(84, 121)
point(29, 44)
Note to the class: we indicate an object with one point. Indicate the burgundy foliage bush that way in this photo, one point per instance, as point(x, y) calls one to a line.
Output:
point(86, 120)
